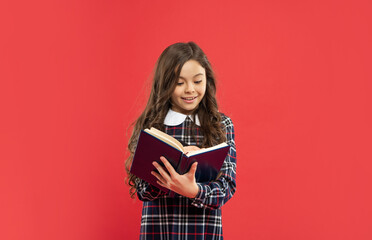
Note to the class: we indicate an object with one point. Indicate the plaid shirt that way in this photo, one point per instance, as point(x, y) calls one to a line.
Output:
point(182, 218)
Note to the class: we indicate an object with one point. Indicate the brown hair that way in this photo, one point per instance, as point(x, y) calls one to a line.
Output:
point(166, 74)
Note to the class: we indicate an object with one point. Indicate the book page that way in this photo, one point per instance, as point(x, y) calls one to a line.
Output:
point(221, 145)
point(165, 138)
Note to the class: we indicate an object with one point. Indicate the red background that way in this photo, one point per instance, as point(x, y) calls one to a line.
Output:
point(295, 77)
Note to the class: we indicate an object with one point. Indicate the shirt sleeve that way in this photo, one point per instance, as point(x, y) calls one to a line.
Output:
point(146, 191)
point(215, 194)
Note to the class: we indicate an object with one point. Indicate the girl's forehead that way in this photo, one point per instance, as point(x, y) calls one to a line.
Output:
point(192, 68)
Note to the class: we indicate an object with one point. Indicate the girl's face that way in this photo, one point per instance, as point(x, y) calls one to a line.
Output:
point(190, 88)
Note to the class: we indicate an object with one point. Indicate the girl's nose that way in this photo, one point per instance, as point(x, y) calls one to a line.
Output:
point(189, 88)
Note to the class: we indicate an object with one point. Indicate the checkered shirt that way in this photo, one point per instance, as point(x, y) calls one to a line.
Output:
point(182, 218)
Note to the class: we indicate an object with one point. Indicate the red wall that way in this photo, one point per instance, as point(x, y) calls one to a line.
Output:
point(295, 77)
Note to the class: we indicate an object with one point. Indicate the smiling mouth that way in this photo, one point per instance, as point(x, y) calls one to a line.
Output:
point(189, 98)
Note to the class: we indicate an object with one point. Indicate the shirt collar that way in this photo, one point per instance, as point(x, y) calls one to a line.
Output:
point(175, 118)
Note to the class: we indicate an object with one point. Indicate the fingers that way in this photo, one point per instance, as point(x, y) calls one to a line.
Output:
point(164, 179)
point(193, 168)
point(191, 148)
point(168, 166)
point(162, 175)
point(161, 180)
point(171, 179)
point(158, 176)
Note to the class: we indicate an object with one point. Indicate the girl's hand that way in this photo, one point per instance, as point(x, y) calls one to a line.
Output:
point(188, 149)
point(182, 184)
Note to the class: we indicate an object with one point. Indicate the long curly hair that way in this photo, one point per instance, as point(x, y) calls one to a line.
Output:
point(166, 75)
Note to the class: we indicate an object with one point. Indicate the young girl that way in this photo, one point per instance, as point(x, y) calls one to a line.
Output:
point(182, 103)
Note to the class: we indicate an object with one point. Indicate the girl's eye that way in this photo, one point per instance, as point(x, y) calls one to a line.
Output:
point(197, 82)
point(179, 84)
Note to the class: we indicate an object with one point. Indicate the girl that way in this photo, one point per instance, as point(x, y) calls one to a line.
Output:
point(182, 103)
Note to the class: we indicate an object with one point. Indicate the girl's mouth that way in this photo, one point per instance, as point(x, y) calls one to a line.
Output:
point(188, 99)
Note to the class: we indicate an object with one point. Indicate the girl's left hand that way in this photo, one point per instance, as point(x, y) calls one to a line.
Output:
point(182, 184)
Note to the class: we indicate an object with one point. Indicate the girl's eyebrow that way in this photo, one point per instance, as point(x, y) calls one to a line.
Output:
point(199, 74)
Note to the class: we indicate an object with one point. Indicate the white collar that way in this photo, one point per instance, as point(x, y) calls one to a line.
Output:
point(175, 118)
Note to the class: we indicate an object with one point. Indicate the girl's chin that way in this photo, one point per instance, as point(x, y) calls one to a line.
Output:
point(184, 110)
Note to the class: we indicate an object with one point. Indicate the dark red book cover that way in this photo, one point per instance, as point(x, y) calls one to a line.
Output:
point(150, 149)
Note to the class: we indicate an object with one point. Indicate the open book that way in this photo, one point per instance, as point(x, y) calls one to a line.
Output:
point(153, 143)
